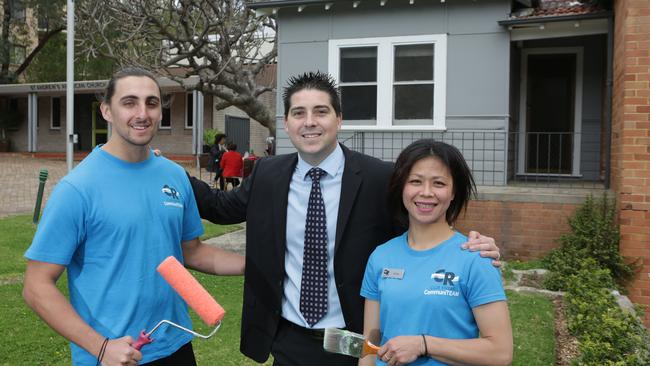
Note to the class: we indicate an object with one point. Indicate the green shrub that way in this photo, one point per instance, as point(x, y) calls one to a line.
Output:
point(587, 265)
point(209, 135)
point(594, 234)
point(607, 334)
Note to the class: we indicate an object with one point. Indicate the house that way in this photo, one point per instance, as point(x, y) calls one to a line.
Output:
point(546, 99)
point(38, 111)
point(42, 115)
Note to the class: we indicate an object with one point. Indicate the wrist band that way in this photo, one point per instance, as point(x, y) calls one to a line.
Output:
point(426, 350)
point(100, 356)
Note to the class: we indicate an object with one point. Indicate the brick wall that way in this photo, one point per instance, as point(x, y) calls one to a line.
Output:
point(630, 174)
point(523, 230)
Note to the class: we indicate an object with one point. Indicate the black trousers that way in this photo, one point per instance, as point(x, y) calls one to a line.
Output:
point(298, 346)
point(183, 357)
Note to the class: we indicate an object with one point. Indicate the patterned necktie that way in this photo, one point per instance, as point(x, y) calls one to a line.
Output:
point(313, 286)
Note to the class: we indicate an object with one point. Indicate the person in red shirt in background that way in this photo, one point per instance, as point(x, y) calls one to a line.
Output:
point(232, 165)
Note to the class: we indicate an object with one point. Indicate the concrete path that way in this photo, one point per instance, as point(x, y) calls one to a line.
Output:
point(234, 242)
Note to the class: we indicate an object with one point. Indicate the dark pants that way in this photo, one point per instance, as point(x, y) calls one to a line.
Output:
point(183, 357)
point(298, 346)
point(221, 179)
point(232, 180)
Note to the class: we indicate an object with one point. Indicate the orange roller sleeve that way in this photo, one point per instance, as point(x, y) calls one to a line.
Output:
point(191, 291)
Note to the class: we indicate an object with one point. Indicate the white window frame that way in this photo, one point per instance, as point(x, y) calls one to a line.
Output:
point(385, 70)
point(188, 106)
point(52, 98)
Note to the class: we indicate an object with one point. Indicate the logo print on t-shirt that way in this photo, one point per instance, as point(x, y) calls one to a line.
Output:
point(446, 284)
point(447, 278)
point(170, 191)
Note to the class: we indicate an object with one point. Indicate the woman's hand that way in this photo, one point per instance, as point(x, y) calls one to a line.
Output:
point(401, 350)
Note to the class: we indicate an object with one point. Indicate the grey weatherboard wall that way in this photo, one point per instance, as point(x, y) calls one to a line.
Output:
point(478, 53)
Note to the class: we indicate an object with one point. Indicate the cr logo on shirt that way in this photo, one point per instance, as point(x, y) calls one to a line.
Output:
point(447, 278)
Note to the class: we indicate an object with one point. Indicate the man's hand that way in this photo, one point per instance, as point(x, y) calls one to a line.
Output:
point(120, 353)
point(487, 246)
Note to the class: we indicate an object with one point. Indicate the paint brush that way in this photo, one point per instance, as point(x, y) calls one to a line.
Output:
point(347, 343)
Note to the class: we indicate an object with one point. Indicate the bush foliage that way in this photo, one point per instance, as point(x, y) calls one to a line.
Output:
point(607, 334)
point(594, 234)
point(587, 265)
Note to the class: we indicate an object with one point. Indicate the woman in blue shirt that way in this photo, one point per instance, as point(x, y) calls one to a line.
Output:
point(428, 303)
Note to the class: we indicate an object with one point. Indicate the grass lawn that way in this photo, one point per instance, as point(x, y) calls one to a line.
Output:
point(533, 329)
point(29, 341)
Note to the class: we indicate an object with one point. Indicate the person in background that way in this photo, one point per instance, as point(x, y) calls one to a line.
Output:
point(232, 165)
point(216, 151)
point(428, 303)
point(312, 219)
point(110, 222)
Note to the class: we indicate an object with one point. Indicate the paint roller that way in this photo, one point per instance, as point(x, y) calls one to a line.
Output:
point(205, 306)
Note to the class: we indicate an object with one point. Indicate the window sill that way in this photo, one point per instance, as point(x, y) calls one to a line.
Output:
point(392, 128)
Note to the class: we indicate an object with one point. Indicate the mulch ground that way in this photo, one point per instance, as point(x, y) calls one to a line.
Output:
point(566, 345)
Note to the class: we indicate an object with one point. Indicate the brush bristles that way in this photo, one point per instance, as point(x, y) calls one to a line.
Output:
point(343, 342)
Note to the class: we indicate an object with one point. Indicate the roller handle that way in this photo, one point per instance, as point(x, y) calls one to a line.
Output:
point(142, 340)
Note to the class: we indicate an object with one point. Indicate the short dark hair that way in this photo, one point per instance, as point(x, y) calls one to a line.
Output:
point(218, 138)
point(126, 72)
point(463, 182)
point(312, 80)
point(232, 146)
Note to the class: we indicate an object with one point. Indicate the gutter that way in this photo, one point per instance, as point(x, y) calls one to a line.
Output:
point(556, 18)
point(286, 3)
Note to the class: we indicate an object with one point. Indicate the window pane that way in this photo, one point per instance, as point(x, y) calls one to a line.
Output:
point(166, 118)
point(100, 122)
point(359, 102)
point(358, 64)
point(414, 101)
point(56, 112)
point(414, 62)
point(189, 118)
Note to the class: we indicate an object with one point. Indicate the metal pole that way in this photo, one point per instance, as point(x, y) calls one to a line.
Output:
point(42, 177)
point(69, 106)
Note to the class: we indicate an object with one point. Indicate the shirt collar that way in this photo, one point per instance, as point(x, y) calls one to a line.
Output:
point(331, 165)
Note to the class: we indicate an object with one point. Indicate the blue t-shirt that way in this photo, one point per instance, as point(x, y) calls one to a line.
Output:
point(436, 292)
point(111, 223)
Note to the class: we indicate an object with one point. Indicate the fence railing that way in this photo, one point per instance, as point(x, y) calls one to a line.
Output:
point(540, 159)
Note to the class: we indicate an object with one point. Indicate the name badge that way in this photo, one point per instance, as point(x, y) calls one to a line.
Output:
point(396, 273)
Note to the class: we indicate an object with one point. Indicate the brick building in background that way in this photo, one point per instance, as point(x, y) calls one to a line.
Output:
point(630, 173)
point(548, 100)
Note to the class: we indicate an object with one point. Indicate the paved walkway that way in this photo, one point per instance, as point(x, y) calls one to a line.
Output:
point(19, 181)
point(234, 242)
point(19, 187)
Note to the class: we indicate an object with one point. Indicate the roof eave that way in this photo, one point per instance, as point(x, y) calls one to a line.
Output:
point(284, 3)
point(557, 18)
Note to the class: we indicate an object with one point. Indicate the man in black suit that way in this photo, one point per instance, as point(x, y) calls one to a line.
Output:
point(281, 314)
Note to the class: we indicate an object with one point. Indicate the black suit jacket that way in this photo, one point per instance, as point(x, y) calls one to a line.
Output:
point(363, 223)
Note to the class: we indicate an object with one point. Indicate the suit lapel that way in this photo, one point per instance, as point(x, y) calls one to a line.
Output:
point(280, 197)
point(349, 187)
